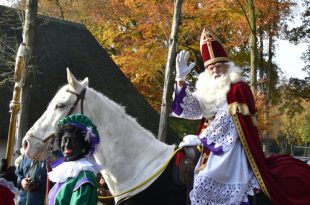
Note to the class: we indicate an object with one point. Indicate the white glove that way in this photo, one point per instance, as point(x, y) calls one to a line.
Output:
point(190, 140)
point(182, 69)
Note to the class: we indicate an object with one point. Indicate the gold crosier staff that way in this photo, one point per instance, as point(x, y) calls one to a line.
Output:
point(15, 103)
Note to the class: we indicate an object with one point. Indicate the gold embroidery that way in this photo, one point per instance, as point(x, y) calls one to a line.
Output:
point(236, 107)
point(249, 155)
point(242, 108)
point(215, 60)
point(199, 148)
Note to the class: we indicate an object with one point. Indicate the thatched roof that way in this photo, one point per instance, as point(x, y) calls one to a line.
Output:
point(61, 44)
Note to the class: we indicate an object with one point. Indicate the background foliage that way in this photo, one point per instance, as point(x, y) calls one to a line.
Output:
point(135, 34)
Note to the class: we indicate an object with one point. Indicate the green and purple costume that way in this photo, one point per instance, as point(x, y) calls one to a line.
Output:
point(75, 180)
point(75, 183)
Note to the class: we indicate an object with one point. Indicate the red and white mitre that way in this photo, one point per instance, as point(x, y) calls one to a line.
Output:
point(211, 49)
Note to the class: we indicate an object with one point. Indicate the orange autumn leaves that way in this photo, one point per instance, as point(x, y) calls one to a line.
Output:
point(136, 32)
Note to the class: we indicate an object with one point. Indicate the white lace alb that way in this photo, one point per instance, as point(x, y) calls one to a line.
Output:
point(191, 108)
point(222, 130)
point(207, 191)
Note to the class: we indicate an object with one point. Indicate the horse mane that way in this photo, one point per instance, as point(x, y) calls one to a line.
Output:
point(117, 112)
point(124, 141)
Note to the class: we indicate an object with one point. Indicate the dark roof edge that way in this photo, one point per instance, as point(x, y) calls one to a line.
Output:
point(44, 17)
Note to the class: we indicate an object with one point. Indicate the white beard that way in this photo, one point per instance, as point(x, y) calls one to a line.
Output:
point(212, 93)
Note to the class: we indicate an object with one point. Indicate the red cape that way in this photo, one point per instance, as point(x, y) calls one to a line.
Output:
point(283, 178)
point(6, 196)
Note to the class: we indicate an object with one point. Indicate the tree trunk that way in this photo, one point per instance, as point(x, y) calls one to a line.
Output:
point(267, 87)
point(61, 11)
point(253, 47)
point(29, 40)
point(167, 92)
point(263, 75)
point(261, 58)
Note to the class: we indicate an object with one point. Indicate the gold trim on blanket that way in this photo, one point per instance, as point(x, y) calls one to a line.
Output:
point(249, 154)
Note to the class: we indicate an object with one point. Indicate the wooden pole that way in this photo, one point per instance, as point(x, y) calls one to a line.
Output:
point(15, 103)
point(167, 92)
point(253, 51)
point(28, 82)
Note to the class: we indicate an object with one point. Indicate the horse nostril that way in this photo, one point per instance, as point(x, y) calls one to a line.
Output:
point(25, 144)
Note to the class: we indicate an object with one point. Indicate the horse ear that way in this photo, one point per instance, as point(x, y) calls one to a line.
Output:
point(85, 82)
point(72, 80)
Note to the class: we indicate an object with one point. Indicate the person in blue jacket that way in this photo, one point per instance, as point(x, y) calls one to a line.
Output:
point(31, 181)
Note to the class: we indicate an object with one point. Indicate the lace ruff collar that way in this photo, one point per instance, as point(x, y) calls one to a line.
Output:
point(70, 169)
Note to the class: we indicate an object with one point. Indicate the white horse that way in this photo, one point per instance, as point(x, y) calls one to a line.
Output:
point(129, 153)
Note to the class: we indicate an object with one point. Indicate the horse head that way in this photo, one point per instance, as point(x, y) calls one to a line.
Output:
point(40, 137)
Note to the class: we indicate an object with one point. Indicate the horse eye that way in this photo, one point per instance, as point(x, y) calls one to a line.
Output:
point(59, 106)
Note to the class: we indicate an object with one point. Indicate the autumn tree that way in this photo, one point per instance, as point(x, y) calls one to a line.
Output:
point(301, 34)
point(8, 47)
point(295, 114)
point(271, 18)
point(136, 33)
point(296, 92)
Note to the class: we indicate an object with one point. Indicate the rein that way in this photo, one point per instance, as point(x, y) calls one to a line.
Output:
point(147, 180)
point(79, 97)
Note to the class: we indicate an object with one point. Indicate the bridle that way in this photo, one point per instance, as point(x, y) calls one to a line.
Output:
point(79, 97)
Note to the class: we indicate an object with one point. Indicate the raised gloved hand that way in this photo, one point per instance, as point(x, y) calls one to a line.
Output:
point(190, 140)
point(182, 69)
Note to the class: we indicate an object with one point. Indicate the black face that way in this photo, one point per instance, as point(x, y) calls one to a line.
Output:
point(72, 146)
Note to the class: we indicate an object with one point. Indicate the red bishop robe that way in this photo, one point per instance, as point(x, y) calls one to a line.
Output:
point(283, 178)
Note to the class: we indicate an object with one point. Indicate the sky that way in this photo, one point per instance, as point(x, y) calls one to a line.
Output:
point(287, 55)
point(5, 2)
point(288, 59)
